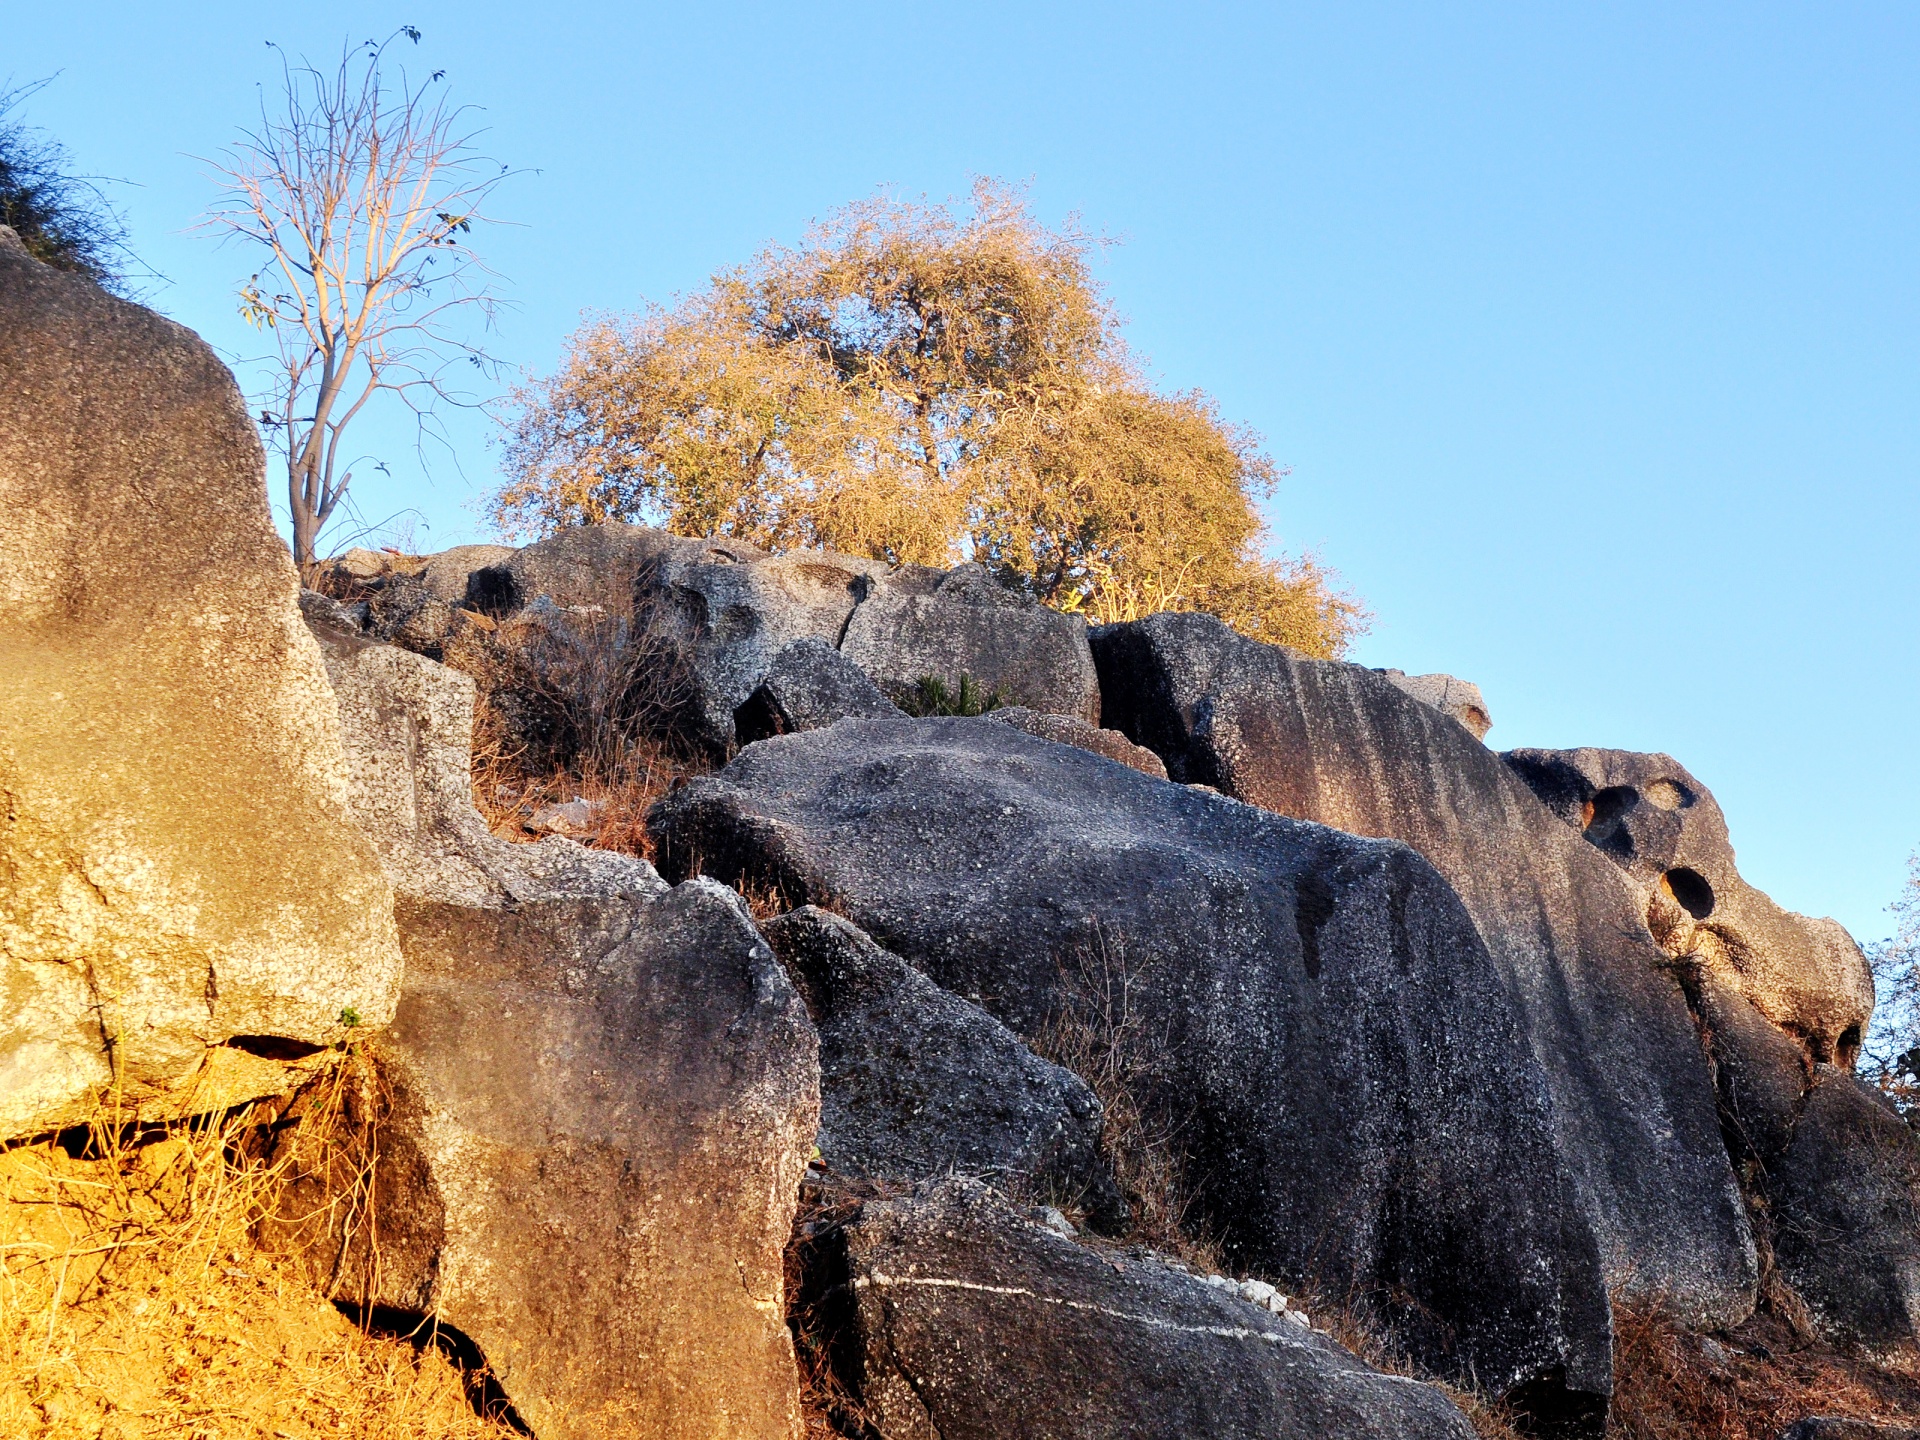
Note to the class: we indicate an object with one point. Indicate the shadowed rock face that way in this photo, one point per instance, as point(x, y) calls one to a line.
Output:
point(1660, 825)
point(972, 1322)
point(177, 867)
point(808, 684)
point(916, 1083)
point(1631, 1093)
point(1315, 1010)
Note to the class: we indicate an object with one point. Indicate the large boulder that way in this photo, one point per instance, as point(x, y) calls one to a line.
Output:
point(1312, 1013)
point(1632, 1096)
point(1662, 827)
point(593, 1117)
point(1845, 1204)
point(970, 1321)
point(956, 623)
point(182, 893)
point(1449, 695)
point(916, 1083)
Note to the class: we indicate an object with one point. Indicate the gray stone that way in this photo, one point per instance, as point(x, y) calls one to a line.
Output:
point(916, 1083)
point(1311, 1012)
point(808, 684)
point(1845, 1200)
point(1460, 699)
point(178, 869)
point(470, 575)
point(1663, 828)
point(593, 567)
point(973, 1322)
point(1631, 1091)
point(919, 623)
point(1072, 730)
point(593, 1119)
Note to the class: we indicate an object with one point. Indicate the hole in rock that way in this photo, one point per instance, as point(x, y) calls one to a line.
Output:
point(757, 719)
point(1606, 814)
point(273, 1047)
point(1691, 889)
point(1668, 795)
point(484, 1394)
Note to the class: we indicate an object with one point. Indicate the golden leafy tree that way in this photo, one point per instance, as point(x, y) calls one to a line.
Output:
point(920, 385)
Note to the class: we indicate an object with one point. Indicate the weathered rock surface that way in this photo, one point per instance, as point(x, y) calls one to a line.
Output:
point(1343, 745)
point(1450, 696)
point(1072, 730)
point(470, 575)
point(1845, 1200)
point(731, 610)
point(972, 1322)
point(808, 685)
point(596, 1116)
point(407, 724)
point(1662, 827)
point(1313, 1010)
point(177, 868)
point(961, 622)
point(916, 1083)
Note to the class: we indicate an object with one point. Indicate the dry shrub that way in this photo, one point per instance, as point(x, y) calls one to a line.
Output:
point(1101, 1033)
point(1746, 1384)
point(133, 1304)
point(820, 1306)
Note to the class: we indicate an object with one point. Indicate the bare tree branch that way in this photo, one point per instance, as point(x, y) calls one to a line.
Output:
point(364, 192)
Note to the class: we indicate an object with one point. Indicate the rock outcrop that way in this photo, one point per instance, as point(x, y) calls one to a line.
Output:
point(971, 1321)
point(1662, 827)
point(595, 1116)
point(1312, 1012)
point(1605, 1016)
point(916, 1083)
point(182, 894)
point(809, 684)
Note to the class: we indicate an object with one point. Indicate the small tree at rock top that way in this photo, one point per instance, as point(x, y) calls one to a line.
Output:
point(1891, 1056)
point(919, 383)
point(361, 192)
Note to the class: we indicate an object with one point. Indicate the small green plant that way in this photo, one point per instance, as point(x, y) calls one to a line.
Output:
point(349, 1016)
point(930, 696)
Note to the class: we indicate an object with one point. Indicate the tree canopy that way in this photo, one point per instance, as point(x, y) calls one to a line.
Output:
point(920, 385)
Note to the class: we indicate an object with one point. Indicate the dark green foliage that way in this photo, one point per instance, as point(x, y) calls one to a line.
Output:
point(930, 696)
point(62, 218)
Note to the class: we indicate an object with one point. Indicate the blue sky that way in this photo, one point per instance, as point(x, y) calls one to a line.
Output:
point(1591, 334)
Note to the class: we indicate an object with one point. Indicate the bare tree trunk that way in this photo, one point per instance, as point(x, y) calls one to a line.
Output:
point(305, 525)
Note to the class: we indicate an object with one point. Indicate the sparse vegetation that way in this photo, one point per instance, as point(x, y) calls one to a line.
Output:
point(1891, 1055)
point(930, 696)
point(62, 218)
point(921, 384)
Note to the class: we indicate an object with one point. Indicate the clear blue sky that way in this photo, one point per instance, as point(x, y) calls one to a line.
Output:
point(1591, 334)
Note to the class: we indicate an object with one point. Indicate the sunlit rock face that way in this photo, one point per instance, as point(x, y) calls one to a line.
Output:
point(177, 866)
point(1661, 826)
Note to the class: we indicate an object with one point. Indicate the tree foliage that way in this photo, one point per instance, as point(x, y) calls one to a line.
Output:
point(920, 385)
point(61, 218)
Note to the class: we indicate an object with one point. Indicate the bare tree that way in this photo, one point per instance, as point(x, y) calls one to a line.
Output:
point(364, 192)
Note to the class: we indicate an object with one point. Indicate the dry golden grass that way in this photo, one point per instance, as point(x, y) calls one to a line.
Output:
point(1748, 1384)
point(134, 1306)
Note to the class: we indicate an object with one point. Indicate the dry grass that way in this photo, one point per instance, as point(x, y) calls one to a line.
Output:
point(1102, 1034)
point(1747, 1384)
point(134, 1305)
